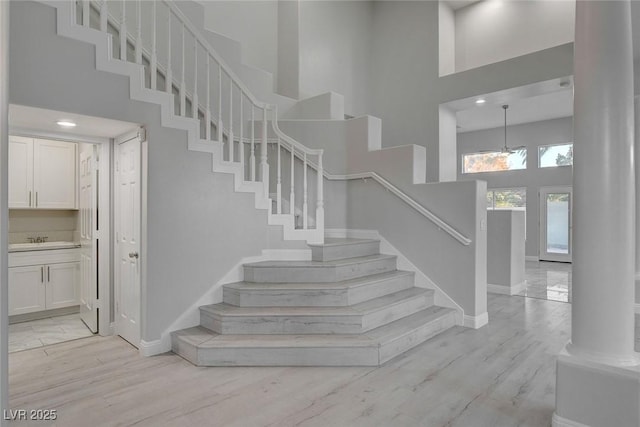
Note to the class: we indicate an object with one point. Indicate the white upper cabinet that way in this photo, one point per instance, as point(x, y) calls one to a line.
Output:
point(20, 172)
point(42, 174)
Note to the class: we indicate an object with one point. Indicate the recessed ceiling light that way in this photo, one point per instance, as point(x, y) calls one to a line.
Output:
point(66, 123)
point(480, 101)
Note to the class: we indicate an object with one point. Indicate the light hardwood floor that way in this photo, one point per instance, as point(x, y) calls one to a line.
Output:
point(501, 375)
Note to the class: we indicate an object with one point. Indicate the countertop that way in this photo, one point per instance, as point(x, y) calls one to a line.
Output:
point(46, 246)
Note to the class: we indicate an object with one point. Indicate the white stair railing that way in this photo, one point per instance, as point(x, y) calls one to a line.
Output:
point(165, 41)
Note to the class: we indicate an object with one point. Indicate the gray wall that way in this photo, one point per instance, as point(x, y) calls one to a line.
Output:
point(335, 39)
point(531, 135)
point(198, 227)
point(460, 271)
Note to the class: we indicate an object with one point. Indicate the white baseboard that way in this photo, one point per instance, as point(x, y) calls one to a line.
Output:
point(476, 322)
point(637, 308)
point(506, 290)
point(532, 258)
point(152, 348)
point(558, 421)
point(352, 233)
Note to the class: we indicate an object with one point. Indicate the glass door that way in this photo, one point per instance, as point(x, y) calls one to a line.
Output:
point(555, 223)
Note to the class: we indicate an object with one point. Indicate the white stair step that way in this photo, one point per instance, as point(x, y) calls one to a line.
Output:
point(358, 318)
point(348, 292)
point(317, 271)
point(203, 347)
point(335, 249)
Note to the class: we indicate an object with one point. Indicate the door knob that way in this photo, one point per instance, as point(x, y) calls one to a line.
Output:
point(133, 255)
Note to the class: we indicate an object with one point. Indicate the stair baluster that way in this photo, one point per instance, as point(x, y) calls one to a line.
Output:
point(252, 159)
point(138, 47)
point(183, 84)
point(279, 184)
point(220, 140)
point(85, 13)
point(169, 74)
point(292, 194)
point(194, 98)
point(230, 133)
point(305, 209)
point(207, 114)
point(104, 15)
point(123, 32)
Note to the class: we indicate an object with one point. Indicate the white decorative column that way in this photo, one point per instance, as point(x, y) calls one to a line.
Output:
point(596, 382)
point(4, 148)
point(637, 163)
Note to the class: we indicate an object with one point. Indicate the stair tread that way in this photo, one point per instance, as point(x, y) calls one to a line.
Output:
point(204, 338)
point(335, 241)
point(319, 264)
point(345, 284)
point(359, 309)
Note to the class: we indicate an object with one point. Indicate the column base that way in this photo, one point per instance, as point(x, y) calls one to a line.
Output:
point(593, 394)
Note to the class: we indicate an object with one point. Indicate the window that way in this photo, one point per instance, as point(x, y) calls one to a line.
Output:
point(494, 161)
point(507, 198)
point(551, 156)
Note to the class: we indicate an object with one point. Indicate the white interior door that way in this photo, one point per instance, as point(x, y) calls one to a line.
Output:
point(127, 233)
point(88, 202)
point(555, 223)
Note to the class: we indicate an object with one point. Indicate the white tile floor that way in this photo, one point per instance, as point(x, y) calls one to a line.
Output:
point(52, 330)
point(548, 280)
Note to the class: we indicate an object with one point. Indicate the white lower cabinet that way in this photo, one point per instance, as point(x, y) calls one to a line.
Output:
point(43, 281)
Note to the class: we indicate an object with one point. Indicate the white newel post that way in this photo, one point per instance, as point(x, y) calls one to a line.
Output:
point(594, 367)
point(4, 147)
point(636, 153)
point(320, 196)
point(264, 166)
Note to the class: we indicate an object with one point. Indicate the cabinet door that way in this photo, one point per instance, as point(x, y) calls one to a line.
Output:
point(20, 172)
point(62, 284)
point(26, 289)
point(54, 174)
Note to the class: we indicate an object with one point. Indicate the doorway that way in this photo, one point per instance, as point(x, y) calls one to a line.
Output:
point(555, 223)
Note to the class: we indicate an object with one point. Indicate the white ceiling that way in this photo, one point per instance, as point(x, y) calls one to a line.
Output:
point(532, 109)
point(38, 119)
point(459, 4)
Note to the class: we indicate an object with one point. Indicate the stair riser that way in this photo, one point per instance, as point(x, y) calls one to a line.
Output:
point(281, 324)
point(378, 289)
point(367, 356)
point(324, 274)
point(353, 324)
point(286, 298)
point(394, 348)
point(316, 297)
point(396, 311)
point(331, 253)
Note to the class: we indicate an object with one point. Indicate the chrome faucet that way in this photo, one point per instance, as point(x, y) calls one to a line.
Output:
point(37, 239)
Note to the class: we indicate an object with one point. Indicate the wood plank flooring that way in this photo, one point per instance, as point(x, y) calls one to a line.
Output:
point(501, 375)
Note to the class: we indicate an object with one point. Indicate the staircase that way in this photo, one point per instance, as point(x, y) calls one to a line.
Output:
point(349, 306)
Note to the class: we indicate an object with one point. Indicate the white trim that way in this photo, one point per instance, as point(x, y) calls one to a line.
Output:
point(191, 316)
point(637, 308)
point(476, 322)
point(532, 258)
point(421, 280)
point(151, 348)
point(506, 290)
point(60, 136)
point(558, 421)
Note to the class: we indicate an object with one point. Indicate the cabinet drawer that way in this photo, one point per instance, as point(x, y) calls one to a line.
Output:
point(19, 259)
